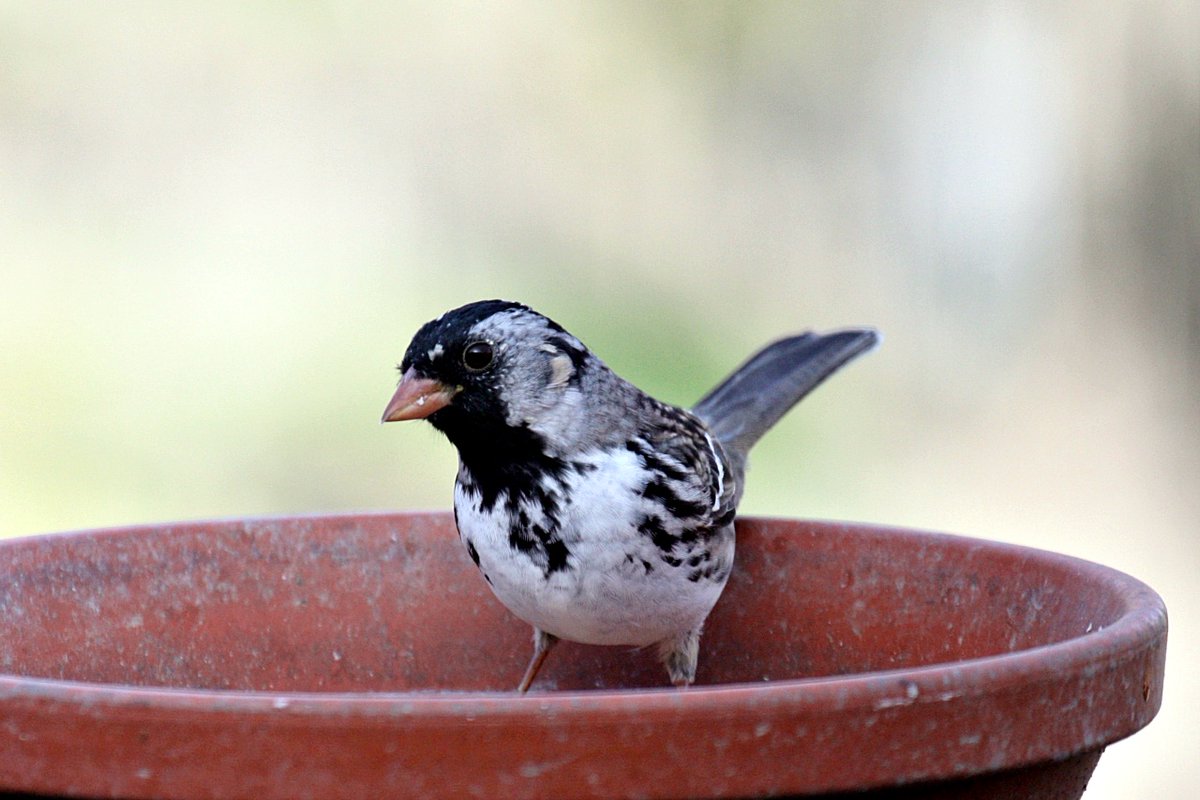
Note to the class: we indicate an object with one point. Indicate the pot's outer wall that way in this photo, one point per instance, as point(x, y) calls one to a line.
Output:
point(358, 656)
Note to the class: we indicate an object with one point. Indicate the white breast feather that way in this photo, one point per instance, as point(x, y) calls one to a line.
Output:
point(607, 597)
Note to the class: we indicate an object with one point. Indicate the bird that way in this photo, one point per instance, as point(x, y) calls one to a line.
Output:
point(596, 513)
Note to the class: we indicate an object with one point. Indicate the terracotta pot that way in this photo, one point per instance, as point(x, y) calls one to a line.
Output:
point(363, 656)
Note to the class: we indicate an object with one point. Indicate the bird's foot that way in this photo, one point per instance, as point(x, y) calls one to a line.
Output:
point(679, 655)
point(542, 644)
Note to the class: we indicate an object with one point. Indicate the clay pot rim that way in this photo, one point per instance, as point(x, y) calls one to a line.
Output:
point(1141, 617)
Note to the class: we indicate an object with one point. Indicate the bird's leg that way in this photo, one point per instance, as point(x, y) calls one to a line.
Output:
point(679, 655)
point(542, 643)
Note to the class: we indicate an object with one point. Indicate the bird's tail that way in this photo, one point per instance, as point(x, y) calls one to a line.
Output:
point(747, 403)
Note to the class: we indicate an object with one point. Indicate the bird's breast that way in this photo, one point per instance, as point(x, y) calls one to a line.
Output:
point(575, 556)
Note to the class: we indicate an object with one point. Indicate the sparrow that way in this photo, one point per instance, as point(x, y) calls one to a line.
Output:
point(595, 512)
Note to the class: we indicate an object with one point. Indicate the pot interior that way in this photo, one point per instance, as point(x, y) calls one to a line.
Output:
point(391, 602)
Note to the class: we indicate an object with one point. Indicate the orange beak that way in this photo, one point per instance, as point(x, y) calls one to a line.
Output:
point(417, 398)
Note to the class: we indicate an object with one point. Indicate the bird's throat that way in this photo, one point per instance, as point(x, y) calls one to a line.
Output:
point(499, 459)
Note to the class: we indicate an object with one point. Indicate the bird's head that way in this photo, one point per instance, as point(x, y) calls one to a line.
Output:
point(487, 366)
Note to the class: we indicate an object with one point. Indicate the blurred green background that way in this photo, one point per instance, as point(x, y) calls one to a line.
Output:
point(220, 224)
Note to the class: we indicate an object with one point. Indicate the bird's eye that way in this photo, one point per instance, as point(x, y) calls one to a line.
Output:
point(477, 356)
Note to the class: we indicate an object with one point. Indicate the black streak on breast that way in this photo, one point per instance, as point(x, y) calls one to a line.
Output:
point(508, 466)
